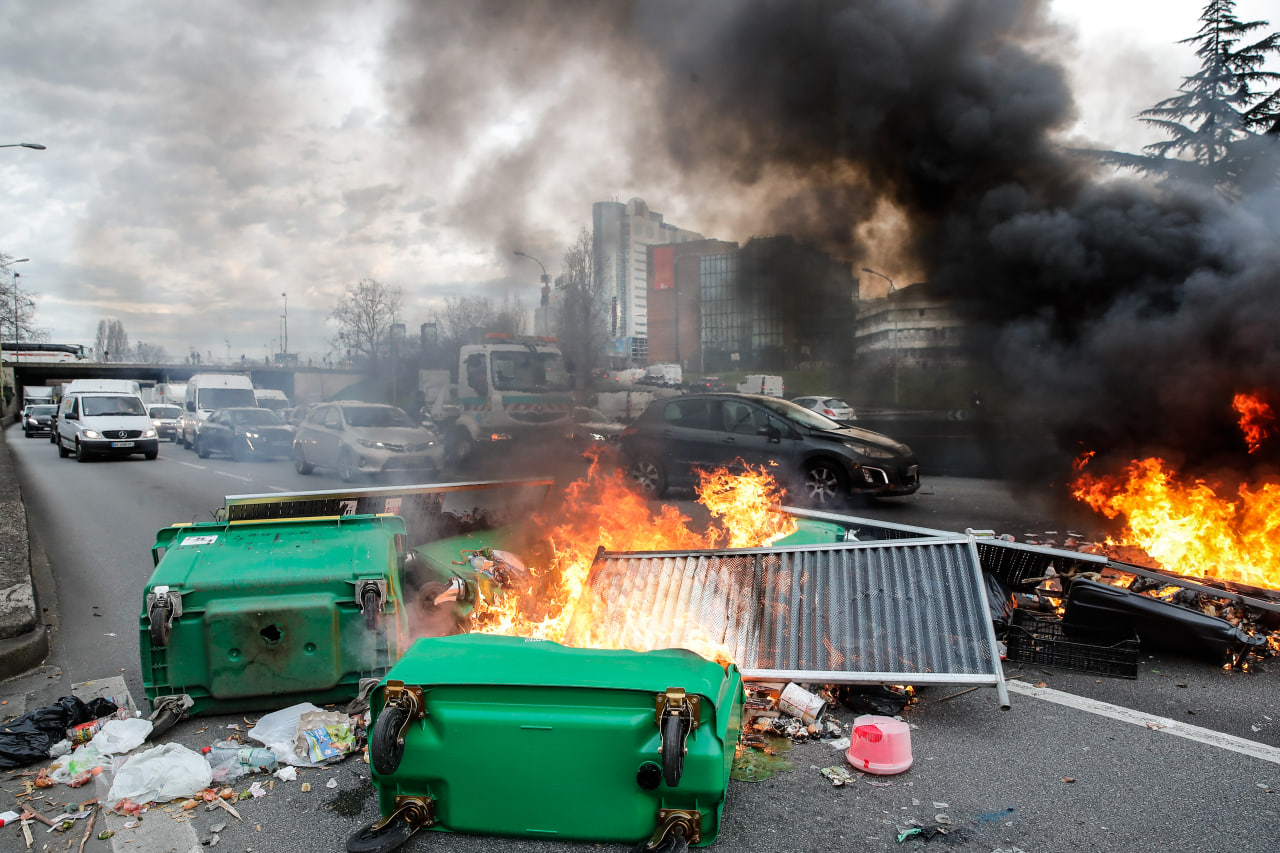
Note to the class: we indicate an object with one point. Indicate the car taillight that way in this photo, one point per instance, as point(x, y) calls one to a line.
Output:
point(828, 412)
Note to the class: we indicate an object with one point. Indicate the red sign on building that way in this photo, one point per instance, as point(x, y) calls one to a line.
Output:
point(664, 268)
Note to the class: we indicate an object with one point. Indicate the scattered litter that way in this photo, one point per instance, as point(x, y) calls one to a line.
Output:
point(278, 731)
point(217, 827)
point(332, 783)
point(1068, 779)
point(28, 739)
point(839, 776)
point(256, 790)
point(306, 787)
point(324, 736)
point(903, 836)
point(133, 824)
point(162, 773)
point(105, 834)
point(287, 774)
point(121, 736)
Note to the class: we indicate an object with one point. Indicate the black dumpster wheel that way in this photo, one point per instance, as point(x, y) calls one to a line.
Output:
point(391, 836)
point(385, 746)
point(675, 842)
point(159, 619)
point(369, 603)
point(672, 749)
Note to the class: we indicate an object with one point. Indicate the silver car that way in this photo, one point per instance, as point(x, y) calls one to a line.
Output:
point(832, 407)
point(357, 438)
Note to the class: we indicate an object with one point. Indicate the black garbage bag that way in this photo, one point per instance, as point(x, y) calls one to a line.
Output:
point(1000, 603)
point(1100, 609)
point(27, 739)
point(870, 699)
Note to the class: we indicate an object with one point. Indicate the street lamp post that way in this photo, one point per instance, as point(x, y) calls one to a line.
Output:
point(893, 309)
point(36, 145)
point(546, 290)
point(16, 333)
point(396, 333)
point(285, 317)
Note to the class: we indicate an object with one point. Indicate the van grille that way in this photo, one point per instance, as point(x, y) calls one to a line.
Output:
point(122, 433)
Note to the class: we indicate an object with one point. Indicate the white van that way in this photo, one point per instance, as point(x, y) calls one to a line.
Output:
point(762, 383)
point(207, 392)
point(270, 398)
point(104, 417)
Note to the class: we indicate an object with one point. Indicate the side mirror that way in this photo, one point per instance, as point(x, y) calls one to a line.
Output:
point(772, 433)
point(191, 406)
point(72, 416)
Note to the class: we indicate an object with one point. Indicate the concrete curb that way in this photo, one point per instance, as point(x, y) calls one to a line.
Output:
point(24, 643)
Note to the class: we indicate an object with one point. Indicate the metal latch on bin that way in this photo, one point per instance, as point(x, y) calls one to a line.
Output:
point(370, 594)
point(163, 606)
point(686, 822)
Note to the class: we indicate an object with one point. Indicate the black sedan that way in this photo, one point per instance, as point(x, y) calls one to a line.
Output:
point(38, 420)
point(816, 458)
point(244, 433)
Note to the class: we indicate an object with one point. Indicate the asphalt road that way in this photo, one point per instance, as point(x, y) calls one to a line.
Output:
point(1187, 757)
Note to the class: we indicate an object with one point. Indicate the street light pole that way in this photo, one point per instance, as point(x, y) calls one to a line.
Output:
point(546, 290)
point(286, 322)
point(36, 145)
point(16, 333)
point(893, 309)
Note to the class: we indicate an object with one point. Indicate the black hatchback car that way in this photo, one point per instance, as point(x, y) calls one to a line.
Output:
point(245, 433)
point(818, 459)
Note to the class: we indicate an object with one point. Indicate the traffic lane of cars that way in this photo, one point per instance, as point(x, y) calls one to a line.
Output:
point(818, 458)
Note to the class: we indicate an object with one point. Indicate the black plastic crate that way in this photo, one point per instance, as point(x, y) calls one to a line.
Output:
point(1041, 640)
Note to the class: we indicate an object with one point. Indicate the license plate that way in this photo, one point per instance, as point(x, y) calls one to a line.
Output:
point(122, 444)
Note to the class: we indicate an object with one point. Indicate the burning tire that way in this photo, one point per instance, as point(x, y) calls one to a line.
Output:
point(647, 475)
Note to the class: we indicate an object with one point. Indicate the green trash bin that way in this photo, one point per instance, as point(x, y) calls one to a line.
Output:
point(510, 736)
point(259, 615)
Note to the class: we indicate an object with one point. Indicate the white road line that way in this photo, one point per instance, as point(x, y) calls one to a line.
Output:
point(188, 464)
point(239, 477)
point(1139, 718)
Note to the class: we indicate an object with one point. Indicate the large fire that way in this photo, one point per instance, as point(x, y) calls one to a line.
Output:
point(1194, 527)
point(603, 511)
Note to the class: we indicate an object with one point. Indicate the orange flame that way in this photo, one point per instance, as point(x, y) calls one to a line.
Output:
point(1191, 528)
point(1257, 421)
point(603, 511)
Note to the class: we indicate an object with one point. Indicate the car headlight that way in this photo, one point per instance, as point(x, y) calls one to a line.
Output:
point(365, 442)
point(149, 434)
point(251, 435)
point(870, 450)
point(91, 433)
point(155, 423)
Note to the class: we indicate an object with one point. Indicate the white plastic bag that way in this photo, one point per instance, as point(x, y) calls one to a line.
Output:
point(161, 774)
point(118, 736)
point(67, 767)
point(278, 731)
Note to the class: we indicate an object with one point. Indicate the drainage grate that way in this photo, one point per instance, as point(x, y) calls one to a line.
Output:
point(907, 611)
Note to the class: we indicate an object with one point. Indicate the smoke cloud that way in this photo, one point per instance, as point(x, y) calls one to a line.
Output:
point(1127, 313)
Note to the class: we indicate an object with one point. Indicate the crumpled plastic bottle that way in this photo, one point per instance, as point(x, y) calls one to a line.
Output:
point(230, 760)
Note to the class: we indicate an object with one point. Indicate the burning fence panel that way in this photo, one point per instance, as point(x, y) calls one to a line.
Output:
point(899, 612)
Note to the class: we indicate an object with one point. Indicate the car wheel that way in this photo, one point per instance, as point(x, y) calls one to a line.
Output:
point(201, 450)
point(26, 432)
point(63, 453)
point(82, 455)
point(300, 463)
point(824, 484)
point(646, 474)
point(151, 454)
point(345, 472)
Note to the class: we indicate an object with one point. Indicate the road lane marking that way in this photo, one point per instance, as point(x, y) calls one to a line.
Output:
point(188, 464)
point(234, 476)
point(1166, 725)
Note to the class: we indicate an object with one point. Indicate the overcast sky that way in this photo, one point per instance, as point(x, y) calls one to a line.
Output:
point(205, 158)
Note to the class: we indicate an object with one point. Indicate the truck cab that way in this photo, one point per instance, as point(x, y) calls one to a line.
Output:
point(508, 388)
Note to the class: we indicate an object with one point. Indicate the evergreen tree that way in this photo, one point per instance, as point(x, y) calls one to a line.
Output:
point(1216, 120)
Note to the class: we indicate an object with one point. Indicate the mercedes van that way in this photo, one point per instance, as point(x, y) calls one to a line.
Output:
point(104, 417)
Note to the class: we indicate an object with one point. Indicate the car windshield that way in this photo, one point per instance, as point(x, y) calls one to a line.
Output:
point(97, 406)
point(835, 403)
point(375, 416)
point(226, 398)
point(43, 410)
point(253, 417)
point(799, 414)
point(165, 412)
point(521, 370)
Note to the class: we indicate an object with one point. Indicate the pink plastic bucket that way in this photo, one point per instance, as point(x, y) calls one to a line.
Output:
point(880, 745)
